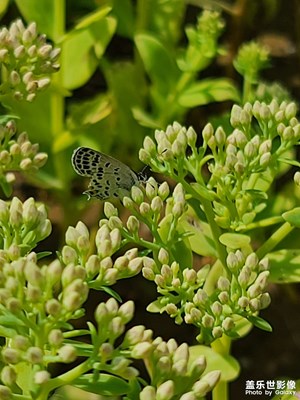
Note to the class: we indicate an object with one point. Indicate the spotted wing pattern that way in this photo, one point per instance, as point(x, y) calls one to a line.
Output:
point(109, 177)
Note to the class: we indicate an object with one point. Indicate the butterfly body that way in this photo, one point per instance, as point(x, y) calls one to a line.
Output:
point(110, 178)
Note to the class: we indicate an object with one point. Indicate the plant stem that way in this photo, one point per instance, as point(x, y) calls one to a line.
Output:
point(221, 346)
point(276, 238)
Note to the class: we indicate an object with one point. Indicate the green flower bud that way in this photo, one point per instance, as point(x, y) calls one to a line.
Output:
point(106, 351)
point(207, 132)
point(110, 277)
point(244, 276)
point(190, 276)
point(265, 300)
point(228, 324)
point(141, 350)
point(116, 327)
point(13, 305)
point(223, 283)
point(200, 298)
point(164, 365)
point(243, 302)
point(15, 212)
point(252, 261)
point(67, 353)
point(163, 190)
point(254, 305)
point(148, 393)
point(191, 136)
point(92, 265)
point(133, 224)
point(144, 209)
point(274, 106)
point(144, 155)
point(279, 116)
point(55, 337)
point(40, 159)
point(115, 222)
point(156, 205)
point(149, 145)
point(165, 391)
point(206, 383)
point(288, 133)
point(34, 355)
point(6, 394)
point(217, 308)
point(14, 78)
point(8, 376)
point(148, 274)
point(69, 255)
point(134, 335)
point(171, 309)
point(163, 256)
point(53, 307)
point(232, 261)
point(41, 377)
point(126, 311)
point(207, 321)
point(135, 265)
point(188, 396)
point(290, 110)
point(11, 356)
point(54, 272)
point(217, 332)
point(220, 136)
point(223, 297)
point(297, 178)
point(137, 195)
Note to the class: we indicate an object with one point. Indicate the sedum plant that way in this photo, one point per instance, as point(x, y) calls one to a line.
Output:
point(218, 198)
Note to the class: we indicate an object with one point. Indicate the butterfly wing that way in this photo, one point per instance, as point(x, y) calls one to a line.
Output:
point(109, 177)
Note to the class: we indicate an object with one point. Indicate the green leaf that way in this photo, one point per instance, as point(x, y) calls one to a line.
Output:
point(201, 240)
point(208, 91)
point(3, 7)
point(43, 254)
point(145, 119)
point(284, 266)
point(158, 61)
point(82, 48)
point(227, 364)
point(155, 307)
point(106, 385)
point(42, 12)
point(260, 323)
point(235, 240)
point(293, 217)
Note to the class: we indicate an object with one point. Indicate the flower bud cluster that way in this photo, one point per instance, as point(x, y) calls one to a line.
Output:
point(18, 153)
point(23, 225)
point(185, 299)
point(100, 268)
point(237, 157)
point(202, 42)
point(51, 295)
point(169, 367)
point(170, 147)
point(28, 60)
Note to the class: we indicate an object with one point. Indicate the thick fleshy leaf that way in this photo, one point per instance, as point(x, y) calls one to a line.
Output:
point(235, 240)
point(284, 266)
point(260, 323)
point(159, 63)
point(227, 364)
point(201, 240)
point(293, 217)
point(105, 385)
point(208, 91)
point(42, 12)
point(82, 48)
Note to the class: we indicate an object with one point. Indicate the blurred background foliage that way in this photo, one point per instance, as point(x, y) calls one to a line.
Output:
point(129, 67)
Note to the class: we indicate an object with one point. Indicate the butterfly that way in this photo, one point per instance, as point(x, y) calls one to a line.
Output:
point(109, 177)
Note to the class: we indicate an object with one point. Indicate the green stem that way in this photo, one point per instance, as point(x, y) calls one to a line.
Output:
point(64, 379)
point(221, 346)
point(275, 238)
